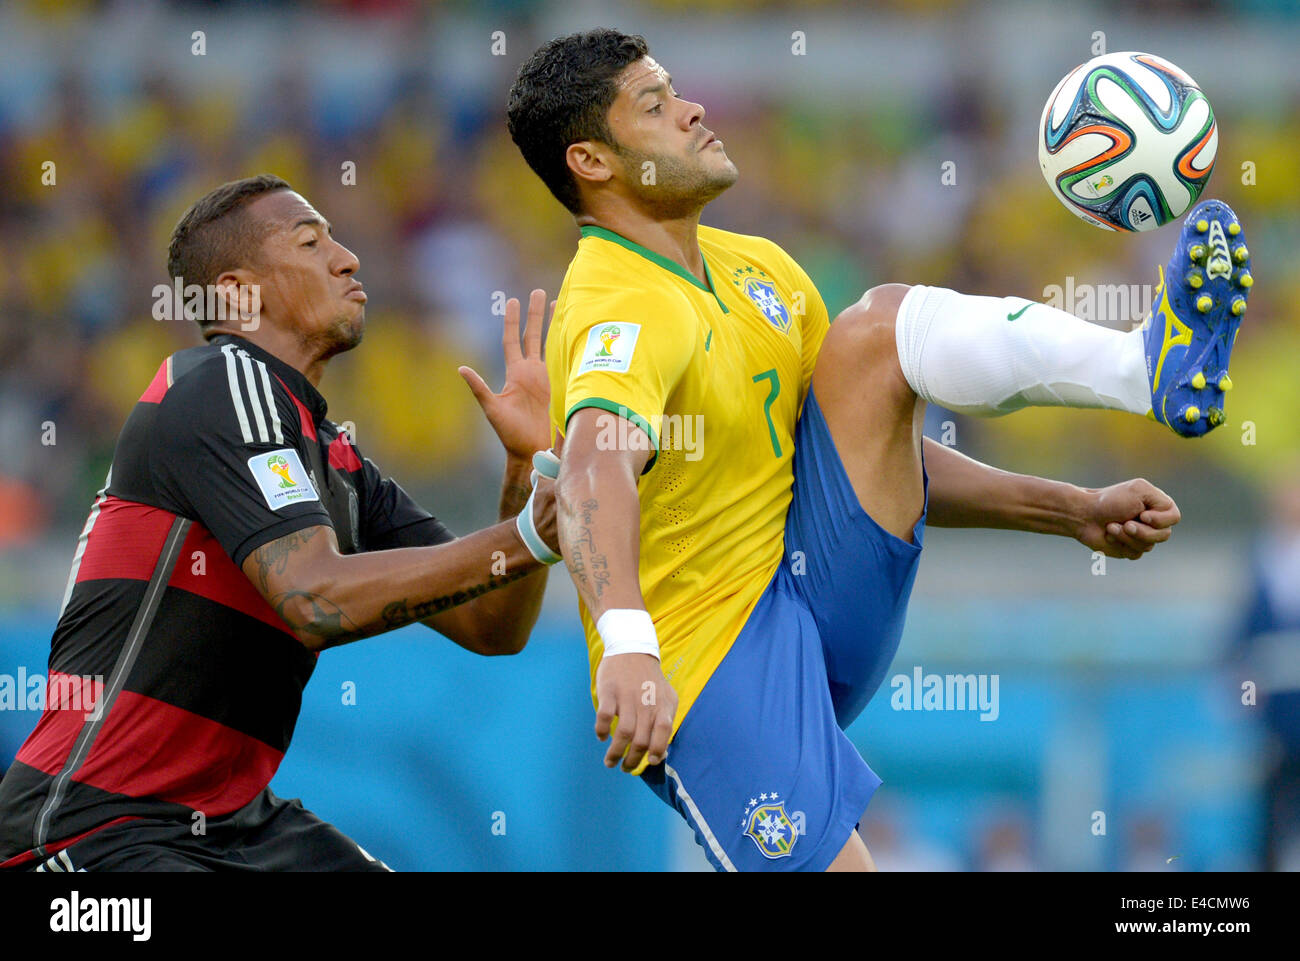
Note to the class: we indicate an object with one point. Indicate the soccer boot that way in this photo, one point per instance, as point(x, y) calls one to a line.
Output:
point(1192, 327)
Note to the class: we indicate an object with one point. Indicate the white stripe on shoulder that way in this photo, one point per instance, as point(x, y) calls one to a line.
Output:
point(254, 397)
point(232, 376)
point(370, 857)
point(270, 403)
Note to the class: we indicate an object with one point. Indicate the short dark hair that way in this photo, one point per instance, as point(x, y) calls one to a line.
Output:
point(561, 95)
point(217, 233)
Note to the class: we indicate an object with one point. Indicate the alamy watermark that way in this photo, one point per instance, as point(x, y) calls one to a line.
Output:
point(676, 432)
point(76, 914)
point(209, 303)
point(1125, 303)
point(946, 692)
point(61, 692)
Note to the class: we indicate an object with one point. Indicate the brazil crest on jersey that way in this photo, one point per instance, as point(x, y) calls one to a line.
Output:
point(715, 374)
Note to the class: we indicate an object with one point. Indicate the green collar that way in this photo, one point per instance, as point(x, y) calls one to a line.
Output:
point(591, 230)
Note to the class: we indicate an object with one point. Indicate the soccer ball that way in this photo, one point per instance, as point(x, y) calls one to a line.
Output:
point(1127, 141)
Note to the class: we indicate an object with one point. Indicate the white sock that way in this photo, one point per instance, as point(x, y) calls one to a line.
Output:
point(962, 352)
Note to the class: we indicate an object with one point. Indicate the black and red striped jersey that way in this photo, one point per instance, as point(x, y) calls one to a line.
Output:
point(174, 686)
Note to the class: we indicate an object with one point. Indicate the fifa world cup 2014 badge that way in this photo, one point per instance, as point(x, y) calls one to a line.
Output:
point(770, 827)
point(610, 347)
point(280, 467)
point(608, 334)
point(282, 478)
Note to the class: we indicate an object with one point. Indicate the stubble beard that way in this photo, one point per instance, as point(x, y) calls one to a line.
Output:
point(679, 189)
point(341, 336)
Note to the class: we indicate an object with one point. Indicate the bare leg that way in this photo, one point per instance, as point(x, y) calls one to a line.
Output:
point(854, 856)
point(874, 416)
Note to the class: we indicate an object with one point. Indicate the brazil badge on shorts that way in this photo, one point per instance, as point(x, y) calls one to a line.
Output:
point(769, 826)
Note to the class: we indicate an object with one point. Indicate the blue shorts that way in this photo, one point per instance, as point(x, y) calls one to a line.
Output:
point(761, 768)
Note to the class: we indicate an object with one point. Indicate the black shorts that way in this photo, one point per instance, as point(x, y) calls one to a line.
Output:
point(267, 834)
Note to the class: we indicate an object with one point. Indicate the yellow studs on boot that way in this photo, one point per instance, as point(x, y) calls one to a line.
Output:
point(1198, 381)
point(1225, 383)
point(1240, 254)
point(1194, 279)
point(1245, 280)
point(1215, 416)
point(1202, 225)
point(1204, 303)
point(1196, 253)
point(1233, 229)
point(1192, 414)
point(1238, 306)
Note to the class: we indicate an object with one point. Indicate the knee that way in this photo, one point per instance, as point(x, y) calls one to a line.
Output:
point(884, 300)
point(866, 329)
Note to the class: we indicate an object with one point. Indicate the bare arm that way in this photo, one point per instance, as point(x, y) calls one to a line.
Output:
point(1124, 520)
point(500, 621)
point(599, 517)
point(599, 521)
point(328, 598)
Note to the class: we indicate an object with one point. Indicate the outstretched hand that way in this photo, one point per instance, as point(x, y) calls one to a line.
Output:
point(1127, 519)
point(519, 414)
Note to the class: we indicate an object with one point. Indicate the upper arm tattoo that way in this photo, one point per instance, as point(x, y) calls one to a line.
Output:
point(273, 557)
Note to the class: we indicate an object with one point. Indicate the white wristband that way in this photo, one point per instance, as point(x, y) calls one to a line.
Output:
point(546, 464)
point(628, 631)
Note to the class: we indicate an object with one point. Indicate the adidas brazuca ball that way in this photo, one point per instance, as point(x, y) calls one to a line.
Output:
point(1127, 141)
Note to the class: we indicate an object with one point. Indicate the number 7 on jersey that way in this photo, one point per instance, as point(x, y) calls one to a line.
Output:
point(773, 394)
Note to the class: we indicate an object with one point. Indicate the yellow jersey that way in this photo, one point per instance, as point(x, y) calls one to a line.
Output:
point(715, 374)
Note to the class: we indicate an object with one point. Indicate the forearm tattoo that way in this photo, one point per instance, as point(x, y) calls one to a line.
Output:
point(513, 499)
point(404, 612)
point(589, 567)
point(325, 619)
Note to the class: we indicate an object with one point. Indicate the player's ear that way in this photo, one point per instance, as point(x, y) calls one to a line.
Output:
point(587, 160)
point(236, 300)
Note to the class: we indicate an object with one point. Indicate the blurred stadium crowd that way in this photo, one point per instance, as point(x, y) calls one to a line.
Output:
point(444, 213)
point(842, 161)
